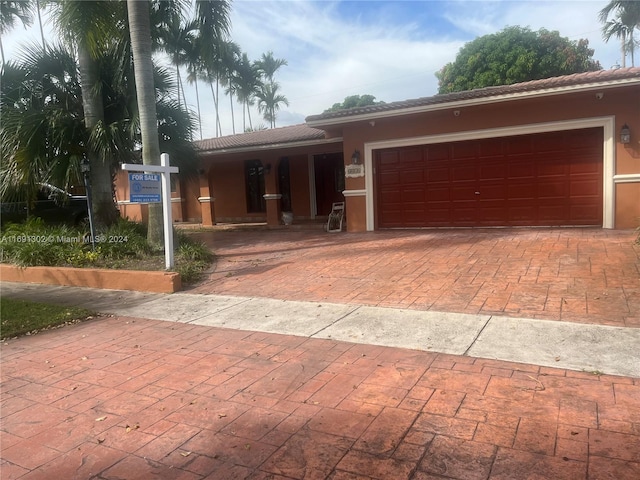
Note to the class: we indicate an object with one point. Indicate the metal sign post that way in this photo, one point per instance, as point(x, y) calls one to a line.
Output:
point(165, 171)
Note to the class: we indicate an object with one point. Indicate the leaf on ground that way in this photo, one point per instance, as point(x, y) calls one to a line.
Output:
point(101, 419)
point(128, 428)
point(185, 454)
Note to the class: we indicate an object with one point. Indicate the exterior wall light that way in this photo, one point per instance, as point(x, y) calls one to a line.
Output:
point(355, 158)
point(625, 134)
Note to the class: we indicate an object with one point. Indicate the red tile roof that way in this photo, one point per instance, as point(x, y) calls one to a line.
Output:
point(597, 77)
point(261, 138)
point(304, 133)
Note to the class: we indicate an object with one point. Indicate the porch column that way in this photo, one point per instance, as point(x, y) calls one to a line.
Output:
point(272, 194)
point(273, 208)
point(206, 201)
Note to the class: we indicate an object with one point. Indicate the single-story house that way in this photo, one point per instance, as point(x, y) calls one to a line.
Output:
point(562, 151)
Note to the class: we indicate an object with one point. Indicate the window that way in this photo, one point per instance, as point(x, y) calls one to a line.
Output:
point(254, 178)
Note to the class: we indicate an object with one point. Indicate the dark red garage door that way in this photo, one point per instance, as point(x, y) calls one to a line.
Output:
point(538, 180)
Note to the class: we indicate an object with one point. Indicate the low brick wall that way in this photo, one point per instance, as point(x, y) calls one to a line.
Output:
point(142, 281)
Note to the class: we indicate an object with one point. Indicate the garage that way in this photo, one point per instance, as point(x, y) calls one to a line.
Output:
point(543, 179)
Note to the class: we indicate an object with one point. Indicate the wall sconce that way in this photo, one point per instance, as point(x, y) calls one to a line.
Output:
point(355, 158)
point(267, 169)
point(625, 134)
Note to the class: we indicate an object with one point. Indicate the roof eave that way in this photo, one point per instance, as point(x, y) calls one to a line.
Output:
point(472, 102)
point(272, 146)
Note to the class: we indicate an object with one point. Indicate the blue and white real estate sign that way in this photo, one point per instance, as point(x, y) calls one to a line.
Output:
point(145, 188)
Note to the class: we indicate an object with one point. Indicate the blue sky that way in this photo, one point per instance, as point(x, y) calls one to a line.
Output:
point(390, 49)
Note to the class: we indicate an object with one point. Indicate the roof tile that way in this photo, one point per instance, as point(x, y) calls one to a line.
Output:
point(274, 136)
point(530, 86)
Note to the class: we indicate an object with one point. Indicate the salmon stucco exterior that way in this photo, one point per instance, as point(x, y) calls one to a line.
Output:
point(541, 153)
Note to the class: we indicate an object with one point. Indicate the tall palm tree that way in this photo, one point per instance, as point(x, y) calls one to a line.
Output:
point(89, 27)
point(229, 65)
point(213, 27)
point(247, 85)
point(176, 39)
point(268, 65)
point(140, 31)
point(269, 102)
point(625, 21)
point(43, 133)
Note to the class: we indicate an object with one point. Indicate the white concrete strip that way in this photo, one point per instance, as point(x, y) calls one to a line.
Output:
point(278, 316)
point(180, 307)
point(574, 346)
point(435, 331)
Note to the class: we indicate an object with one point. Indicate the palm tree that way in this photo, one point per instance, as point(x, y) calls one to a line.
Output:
point(140, 31)
point(41, 135)
point(10, 13)
point(43, 132)
point(247, 85)
point(626, 19)
point(268, 65)
point(90, 26)
point(269, 101)
point(213, 27)
point(229, 64)
point(176, 37)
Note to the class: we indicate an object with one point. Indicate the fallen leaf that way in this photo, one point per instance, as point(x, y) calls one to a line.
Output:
point(128, 428)
point(557, 359)
point(222, 415)
point(100, 440)
point(185, 454)
point(84, 358)
point(247, 446)
point(101, 419)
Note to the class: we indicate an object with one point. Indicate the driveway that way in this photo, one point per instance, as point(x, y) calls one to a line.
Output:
point(569, 274)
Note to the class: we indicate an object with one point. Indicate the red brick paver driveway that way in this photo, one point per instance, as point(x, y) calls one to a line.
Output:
point(122, 398)
point(584, 275)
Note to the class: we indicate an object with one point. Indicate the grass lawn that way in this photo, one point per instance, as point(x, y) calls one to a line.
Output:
point(21, 316)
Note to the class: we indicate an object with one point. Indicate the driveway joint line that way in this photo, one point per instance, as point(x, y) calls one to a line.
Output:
point(358, 307)
point(475, 339)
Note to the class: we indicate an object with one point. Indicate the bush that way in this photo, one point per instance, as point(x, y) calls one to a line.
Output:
point(123, 245)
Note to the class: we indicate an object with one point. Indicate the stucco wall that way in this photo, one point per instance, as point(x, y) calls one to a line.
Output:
point(623, 104)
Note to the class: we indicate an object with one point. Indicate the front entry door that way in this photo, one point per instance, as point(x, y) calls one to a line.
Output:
point(329, 171)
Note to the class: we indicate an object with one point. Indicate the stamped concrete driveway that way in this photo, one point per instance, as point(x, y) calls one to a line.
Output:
point(571, 274)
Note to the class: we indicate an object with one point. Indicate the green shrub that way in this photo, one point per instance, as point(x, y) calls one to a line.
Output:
point(123, 245)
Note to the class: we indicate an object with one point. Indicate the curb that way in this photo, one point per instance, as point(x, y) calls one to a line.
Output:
point(136, 280)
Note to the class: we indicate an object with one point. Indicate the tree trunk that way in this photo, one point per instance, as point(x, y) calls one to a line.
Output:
point(138, 12)
point(104, 209)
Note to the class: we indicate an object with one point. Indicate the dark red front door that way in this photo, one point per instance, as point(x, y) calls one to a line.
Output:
point(329, 173)
point(537, 180)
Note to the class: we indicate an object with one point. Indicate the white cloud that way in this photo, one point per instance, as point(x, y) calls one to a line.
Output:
point(387, 49)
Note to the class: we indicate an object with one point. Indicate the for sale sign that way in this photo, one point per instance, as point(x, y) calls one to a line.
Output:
point(145, 188)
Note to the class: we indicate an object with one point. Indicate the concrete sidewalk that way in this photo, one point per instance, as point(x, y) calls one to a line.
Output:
point(573, 346)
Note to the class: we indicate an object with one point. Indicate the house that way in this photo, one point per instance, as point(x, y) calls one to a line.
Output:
point(552, 152)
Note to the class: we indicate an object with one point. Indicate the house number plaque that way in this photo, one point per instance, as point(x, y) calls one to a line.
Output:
point(351, 171)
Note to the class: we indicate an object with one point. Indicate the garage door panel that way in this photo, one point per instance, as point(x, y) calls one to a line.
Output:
point(413, 196)
point(409, 177)
point(540, 179)
point(463, 173)
point(463, 150)
point(436, 152)
point(492, 171)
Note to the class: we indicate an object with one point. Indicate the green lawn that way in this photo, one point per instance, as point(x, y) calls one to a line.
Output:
point(19, 317)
